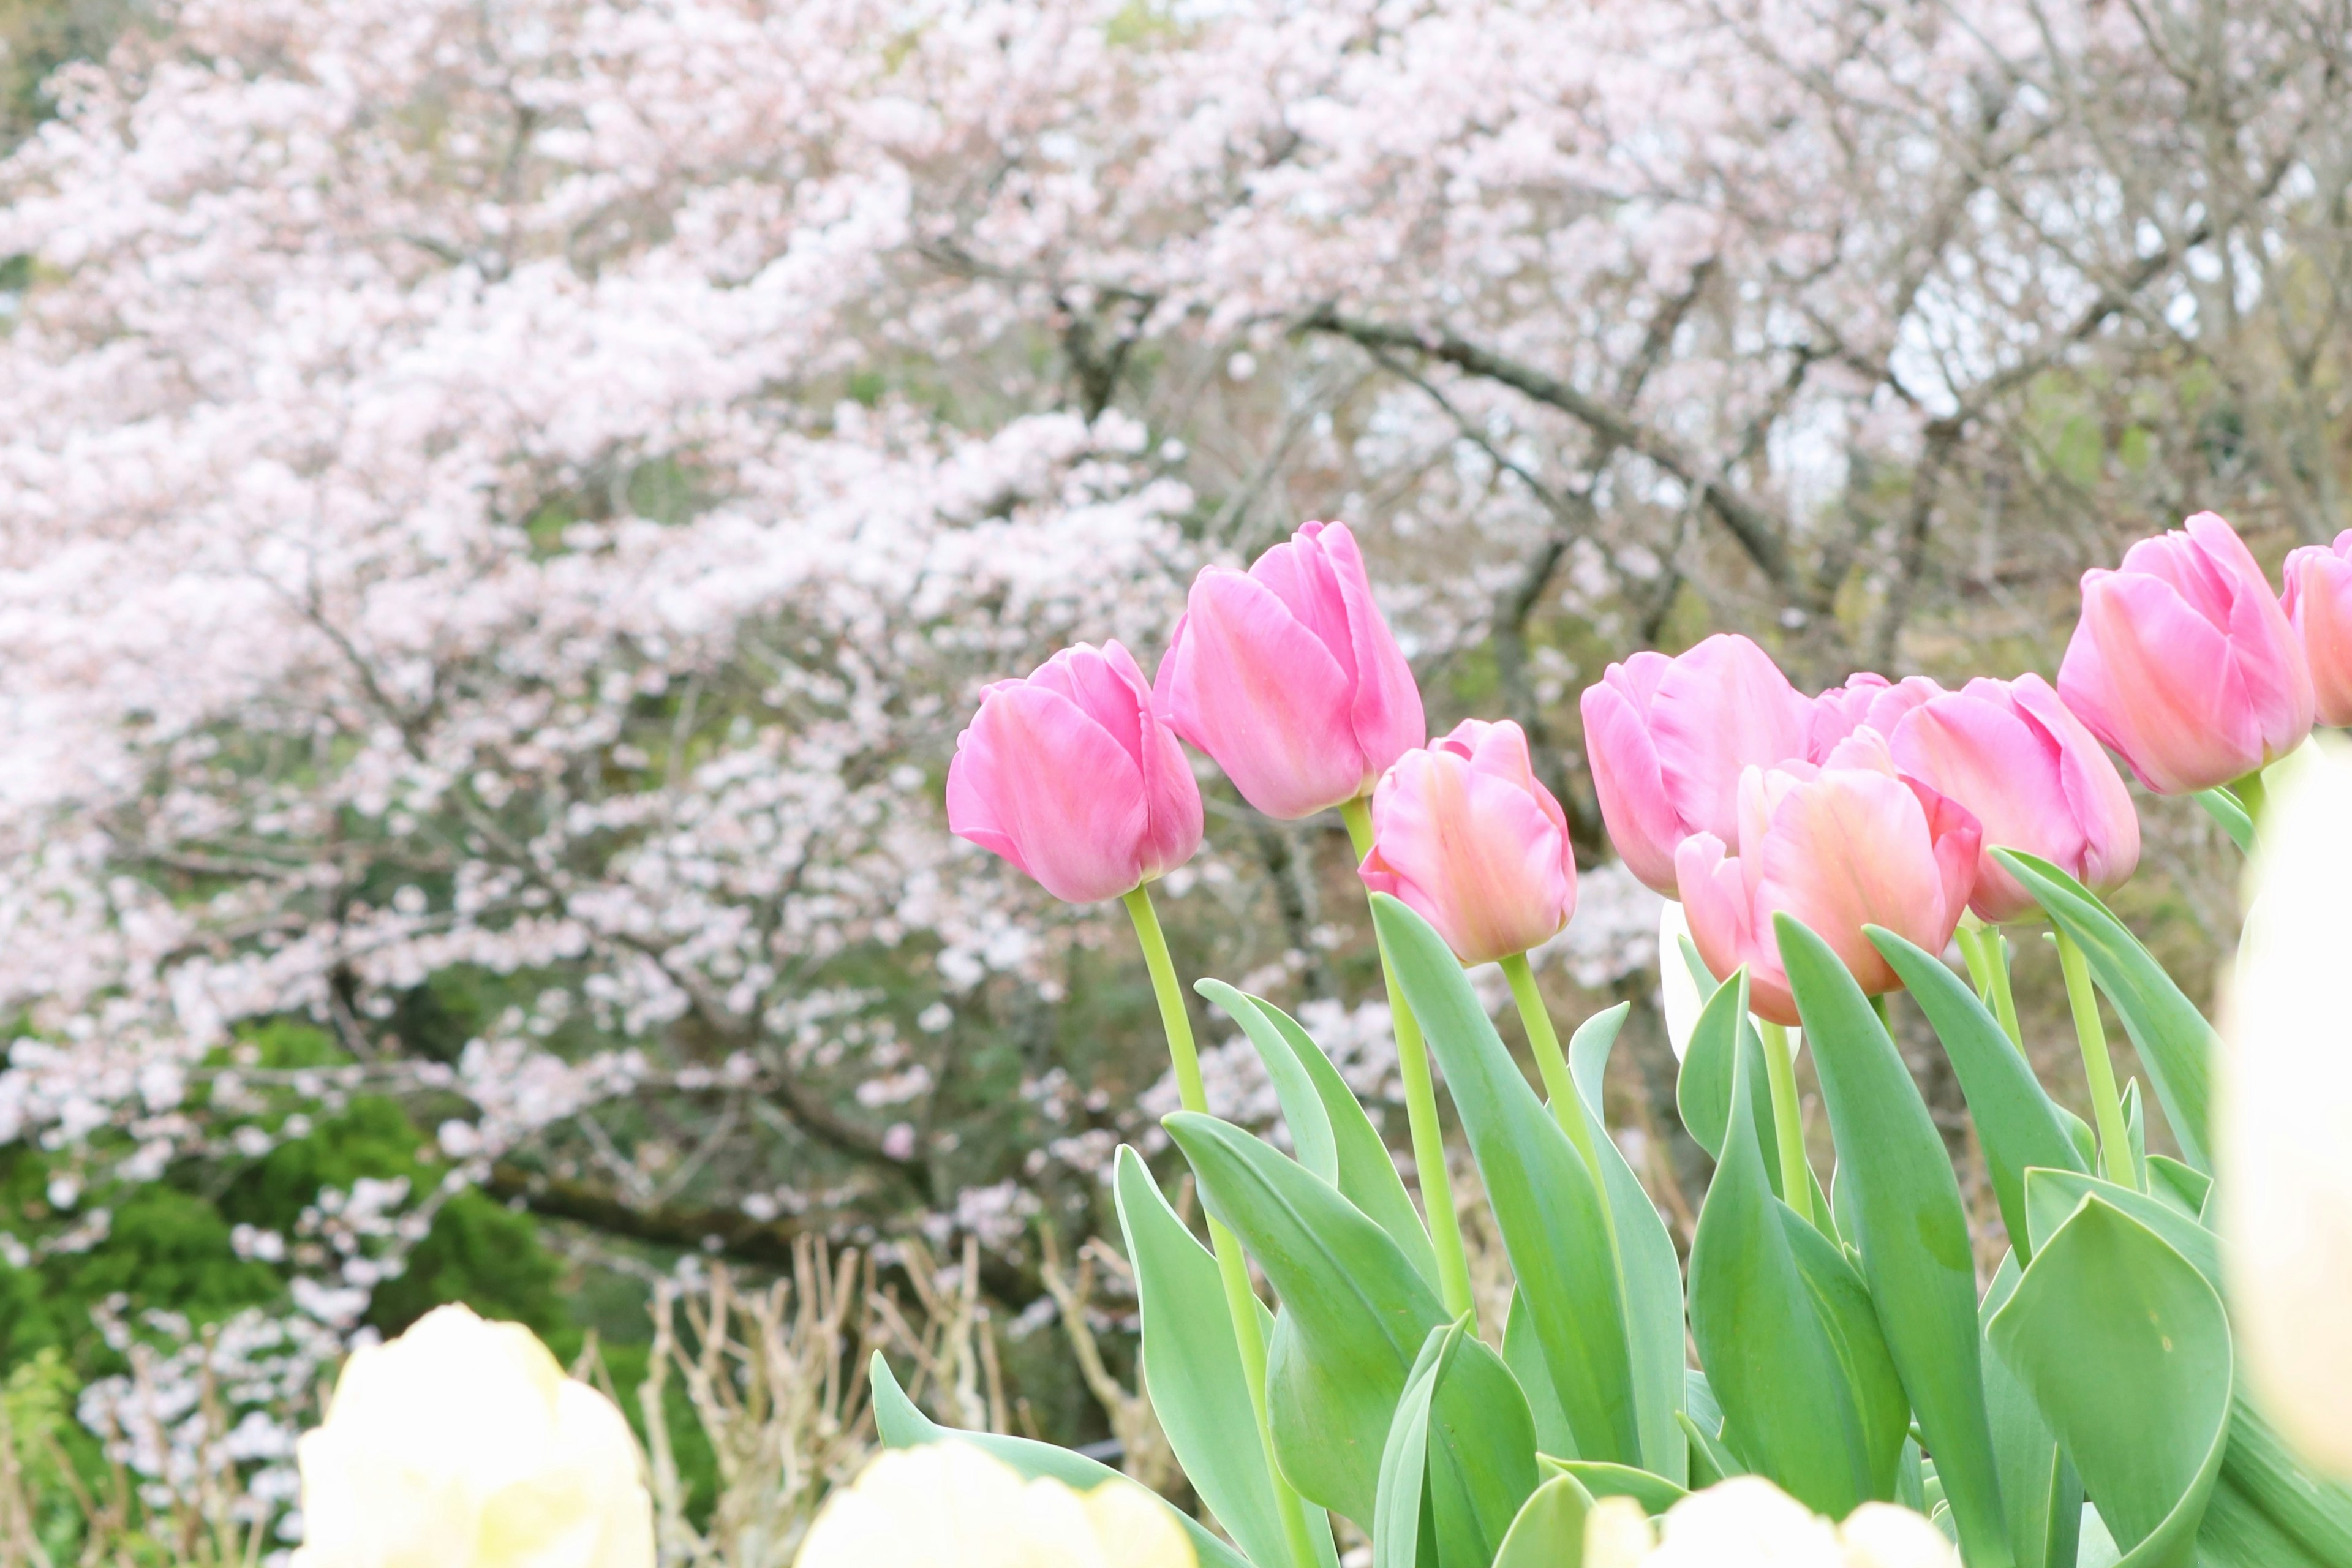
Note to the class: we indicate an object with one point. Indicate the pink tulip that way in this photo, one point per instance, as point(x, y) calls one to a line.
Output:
point(1839, 846)
point(2032, 776)
point(1865, 701)
point(1465, 833)
point(1288, 677)
point(1071, 777)
point(1669, 737)
point(2319, 604)
point(2185, 663)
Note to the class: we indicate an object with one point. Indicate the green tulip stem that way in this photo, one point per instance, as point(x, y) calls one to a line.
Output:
point(1787, 1120)
point(1987, 953)
point(2250, 795)
point(1421, 1113)
point(1233, 1269)
point(2098, 1070)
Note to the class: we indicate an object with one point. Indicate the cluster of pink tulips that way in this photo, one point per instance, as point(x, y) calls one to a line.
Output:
point(1721, 784)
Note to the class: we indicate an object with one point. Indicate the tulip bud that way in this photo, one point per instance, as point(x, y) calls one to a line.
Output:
point(1288, 677)
point(2185, 663)
point(462, 1444)
point(1840, 846)
point(1668, 738)
point(1070, 776)
point(2318, 605)
point(954, 1505)
point(1465, 833)
point(2032, 776)
point(1865, 701)
point(1748, 1519)
point(2286, 1186)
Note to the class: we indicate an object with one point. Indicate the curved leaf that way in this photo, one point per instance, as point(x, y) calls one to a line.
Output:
point(2043, 1495)
point(1482, 1458)
point(1550, 1530)
point(2224, 808)
point(2125, 1349)
point(1909, 1228)
point(1311, 1138)
point(1399, 1525)
point(901, 1426)
point(2175, 1042)
point(1655, 1493)
point(1523, 1356)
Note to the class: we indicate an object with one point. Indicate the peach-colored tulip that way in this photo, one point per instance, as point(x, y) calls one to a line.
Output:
point(2319, 604)
point(2185, 663)
point(1839, 846)
point(1288, 677)
point(1069, 775)
point(1668, 738)
point(2034, 778)
point(1466, 836)
point(1865, 701)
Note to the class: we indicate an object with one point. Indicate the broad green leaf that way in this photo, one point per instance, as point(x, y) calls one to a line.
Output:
point(1703, 1087)
point(1792, 1346)
point(901, 1426)
point(2185, 1187)
point(2040, 1487)
point(2125, 1349)
point(2260, 1468)
point(1523, 1356)
point(2015, 1119)
point(1482, 1458)
point(1710, 1461)
point(2175, 1042)
point(1192, 1369)
point(1545, 1201)
point(2224, 808)
point(1550, 1531)
point(1368, 1172)
point(1655, 1493)
point(1302, 1108)
point(1354, 1312)
point(1645, 1250)
point(2053, 1196)
point(1909, 1227)
point(1399, 1525)
point(2236, 1534)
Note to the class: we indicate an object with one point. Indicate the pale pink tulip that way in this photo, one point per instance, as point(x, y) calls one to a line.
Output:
point(1865, 701)
point(1467, 835)
point(2185, 663)
point(1071, 777)
point(1669, 737)
point(1839, 846)
point(2033, 775)
point(1288, 677)
point(2319, 604)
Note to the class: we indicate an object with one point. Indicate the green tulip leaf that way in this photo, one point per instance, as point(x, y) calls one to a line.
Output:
point(2259, 1469)
point(2051, 1197)
point(2185, 1187)
point(1655, 1493)
point(2224, 808)
point(1710, 1461)
point(1550, 1530)
point(2175, 1042)
point(2125, 1349)
point(2015, 1118)
point(2037, 1482)
point(1354, 1311)
point(1549, 1210)
point(1523, 1356)
point(1703, 1087)
point(1311, 1138)
point(1400, 1527)
point(1482, 1452)
point(1792, 1346)
point(1192, 1369)
point(1909, 1228)
point(901, 1426)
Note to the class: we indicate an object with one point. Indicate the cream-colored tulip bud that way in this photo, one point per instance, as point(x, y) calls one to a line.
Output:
point(954, 1505)
point(463, 1444)
point(2286, 1183)
point(1749, 1522)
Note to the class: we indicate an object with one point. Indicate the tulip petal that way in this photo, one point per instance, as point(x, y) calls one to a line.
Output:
point(2155, 680)
point(2318, 602)
point(1044, 776)
point(1974, 748)
point(1851, 849)
point(1724, 926)
point(2095, 794)
point(1387, 711)
point(1721, 707)
point(1473, 854)
point(1641, 820)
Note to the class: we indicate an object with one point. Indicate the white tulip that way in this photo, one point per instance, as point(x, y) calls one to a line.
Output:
point(1749, 1522)
point(462, 1444)
point(953, 1505)
point(2285, 1110)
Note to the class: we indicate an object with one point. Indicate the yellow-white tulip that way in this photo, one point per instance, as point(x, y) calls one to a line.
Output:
point(2286, 1110)
point(462, 1444)
point(952, 1505)
point(1749, 1522)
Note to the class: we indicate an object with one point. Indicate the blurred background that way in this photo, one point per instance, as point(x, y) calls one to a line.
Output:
point(505, 506)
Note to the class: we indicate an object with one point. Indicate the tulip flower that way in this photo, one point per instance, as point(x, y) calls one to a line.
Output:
point(1840, 846)
point(1465, 833)
point(2033, 777)
point(2184, 662)
point(954, 1505)
point(1668, 738)
point(1073, 778)
point(2318, 605)
point(462, 1444)
point(2286, 1098)
point(1865, 701)
point(1748, 1519)
point(1288, 677)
